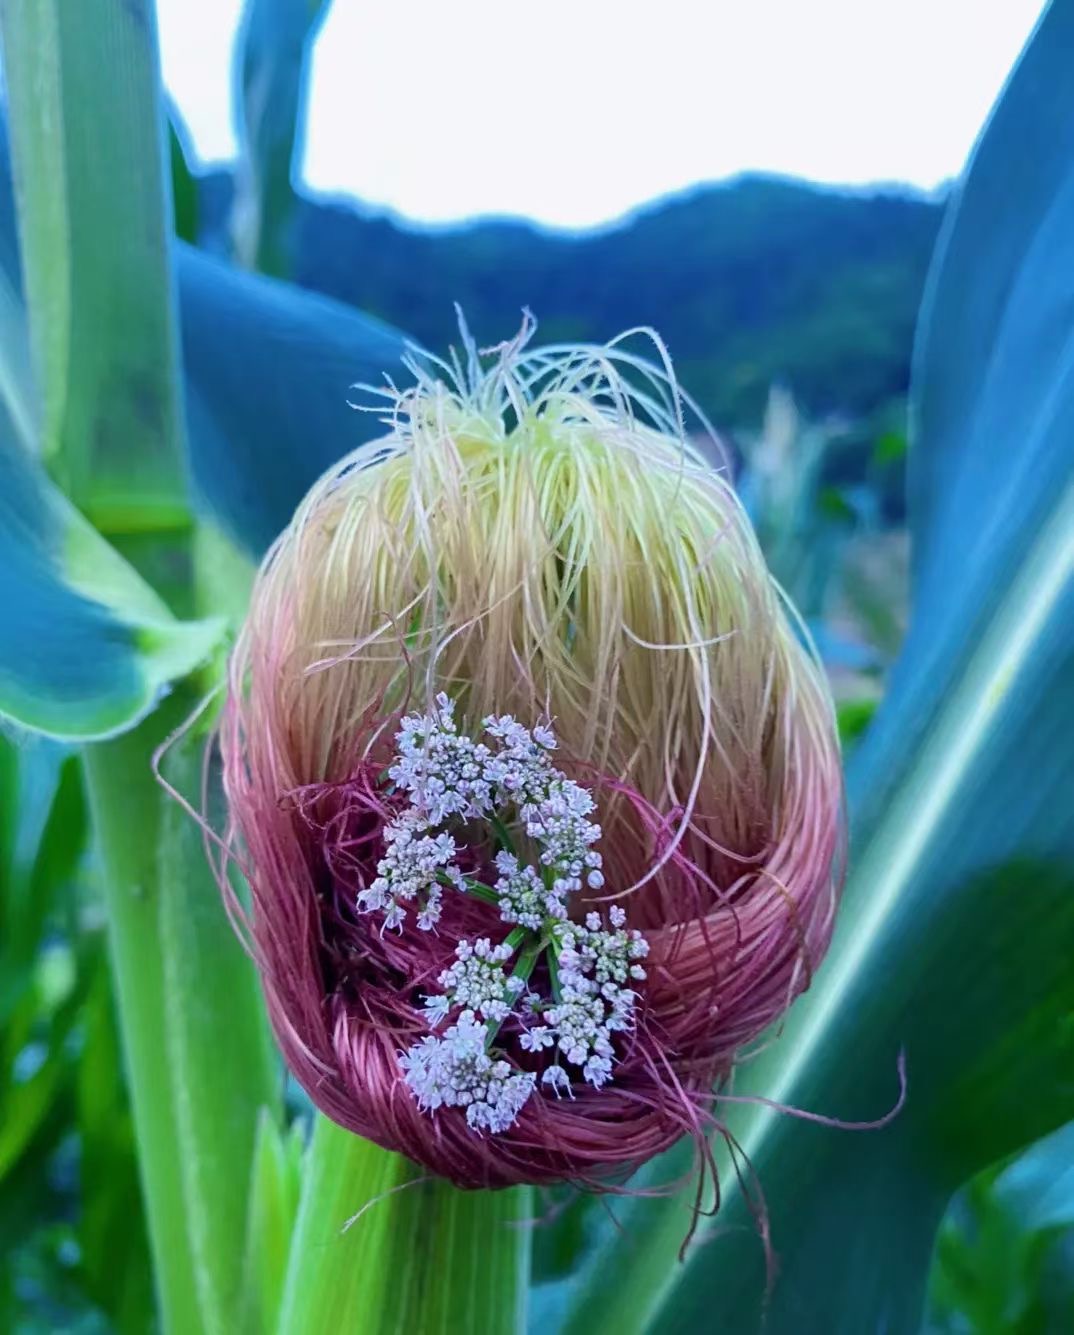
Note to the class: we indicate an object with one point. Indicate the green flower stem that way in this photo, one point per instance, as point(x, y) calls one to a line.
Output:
point(553, 972)
point(425, 1258)
point(503, 834)
point(524, 967)
point(478, 889)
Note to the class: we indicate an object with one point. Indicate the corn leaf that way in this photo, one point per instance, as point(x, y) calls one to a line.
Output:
point(86, 647)
point(958, 925)
point(269, 376)
point(267, 383)
point(1039, 1186)
point(184, 182)
point(272, 55)
point(1004, 1253)
point(87, 136)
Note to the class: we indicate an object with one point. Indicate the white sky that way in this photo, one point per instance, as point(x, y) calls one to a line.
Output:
point(573, 111)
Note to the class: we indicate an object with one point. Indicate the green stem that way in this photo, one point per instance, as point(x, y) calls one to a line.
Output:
point(127, 816)
point(553, 972)
point(425, 1258)
point(273, 1208)
point(503, 834)
point(478, 889)
point(474, 1271)
point(197, 1052)
point(216, 1022)
point(337, 1278)
point(527, 961)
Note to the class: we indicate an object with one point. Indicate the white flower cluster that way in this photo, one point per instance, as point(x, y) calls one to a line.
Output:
point(456, 1071)
point(608, 956)
point(477, 982)
point(443, 771)
point(508, 780)
point(554, 809)
point(524, 898)
point(450, 776)
point(595, 965)
point(412, 864)
point(558, 824)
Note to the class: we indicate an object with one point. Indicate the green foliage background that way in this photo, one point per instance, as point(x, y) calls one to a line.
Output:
point(750, 282)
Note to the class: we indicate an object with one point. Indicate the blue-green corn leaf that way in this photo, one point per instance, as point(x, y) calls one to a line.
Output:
point(86, 646)
point(268, 376)
point(269, 371)
point(86, 124)
point(957, 930)
point(272, 54)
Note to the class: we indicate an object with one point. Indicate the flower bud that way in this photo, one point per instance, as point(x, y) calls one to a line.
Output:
point(534, 781)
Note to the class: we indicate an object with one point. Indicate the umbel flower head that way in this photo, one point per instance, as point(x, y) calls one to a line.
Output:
point(533, 778)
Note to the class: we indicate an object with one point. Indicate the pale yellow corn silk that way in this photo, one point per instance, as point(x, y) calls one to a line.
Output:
point(540, 537)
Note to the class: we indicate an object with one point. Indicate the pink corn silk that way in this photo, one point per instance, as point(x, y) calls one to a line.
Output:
point(734, 936)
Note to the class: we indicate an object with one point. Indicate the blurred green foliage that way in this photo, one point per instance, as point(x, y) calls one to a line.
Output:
point(752, 282)
point(1005, 1254)
point(73, 1252)
point(272, 53)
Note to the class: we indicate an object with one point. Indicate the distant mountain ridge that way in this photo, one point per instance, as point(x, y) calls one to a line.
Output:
point(757, 280)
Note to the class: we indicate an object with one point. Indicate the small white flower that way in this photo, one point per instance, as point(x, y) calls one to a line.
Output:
point(545, 737)
point(430, 913)
point(437, 1007)
point(477, 980)
point(456, 1071)
point(537, 1038)
point(393, 918)
point(374, 897)
point(597, 1070)
point(558, 1079)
